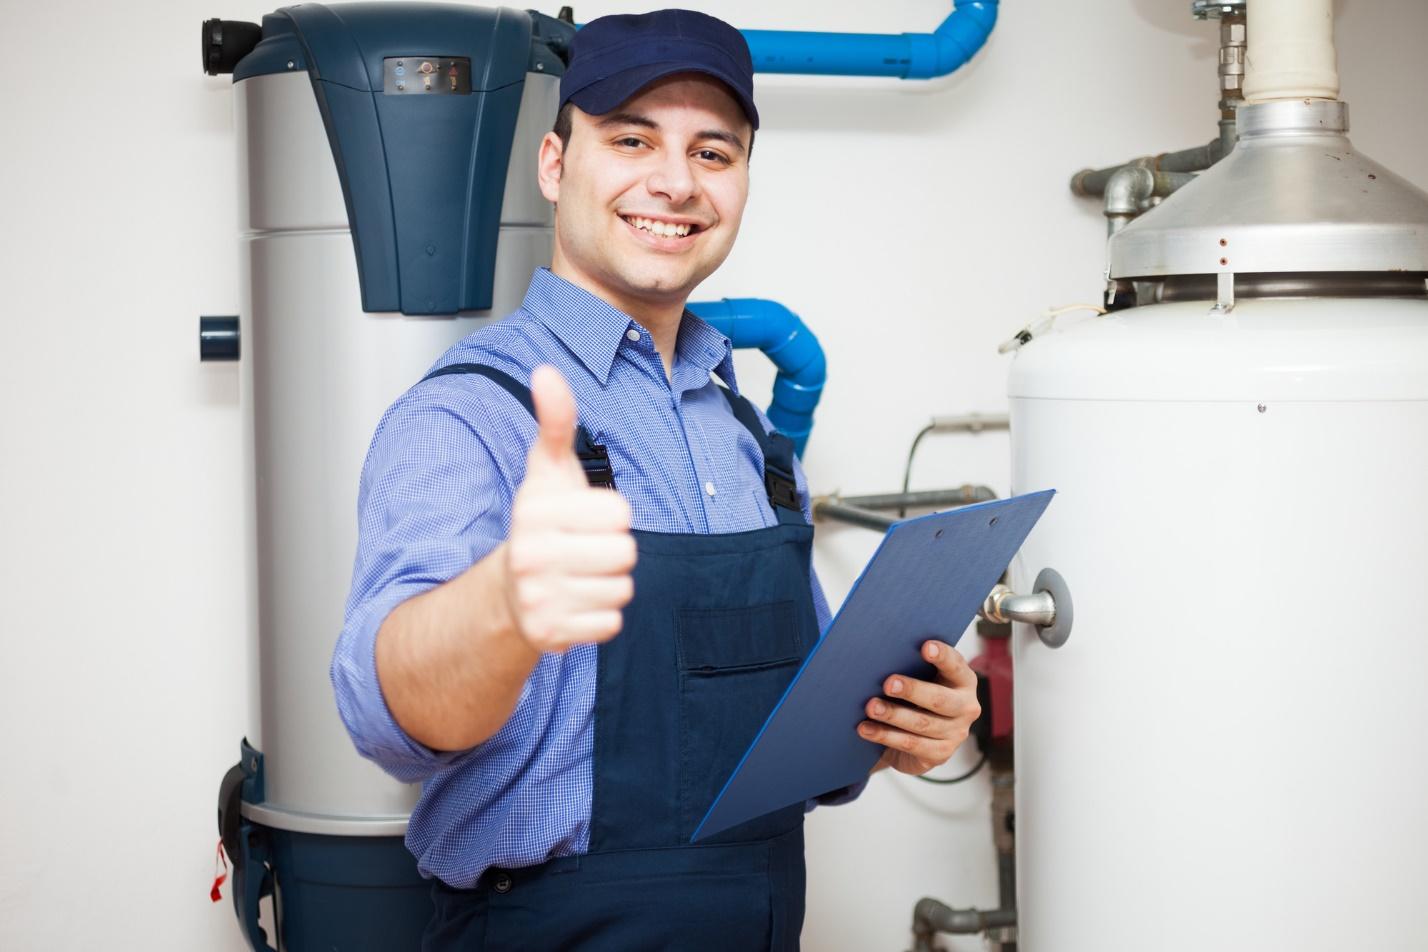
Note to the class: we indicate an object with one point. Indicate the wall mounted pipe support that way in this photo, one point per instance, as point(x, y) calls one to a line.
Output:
point(785, 340)
point(905, 56)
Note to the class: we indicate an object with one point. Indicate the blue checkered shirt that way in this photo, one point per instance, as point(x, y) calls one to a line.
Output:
point(435, 497)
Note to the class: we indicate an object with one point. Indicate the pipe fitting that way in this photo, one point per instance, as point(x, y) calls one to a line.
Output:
point(1127, 190)
point(1130, 189)
point(1003, 606)
point(930, 917)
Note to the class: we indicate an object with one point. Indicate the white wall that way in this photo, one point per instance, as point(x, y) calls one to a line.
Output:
point(914, 225)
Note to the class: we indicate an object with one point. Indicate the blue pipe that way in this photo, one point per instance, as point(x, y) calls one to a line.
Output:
point(787, 341)
point(906, 56)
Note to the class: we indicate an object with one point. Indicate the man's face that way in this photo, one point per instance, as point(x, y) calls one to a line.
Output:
point(649, 197)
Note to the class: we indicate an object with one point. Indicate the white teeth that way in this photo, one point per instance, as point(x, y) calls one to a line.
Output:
point(662, 228)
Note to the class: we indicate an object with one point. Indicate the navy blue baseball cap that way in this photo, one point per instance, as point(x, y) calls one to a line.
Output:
point(614, 57)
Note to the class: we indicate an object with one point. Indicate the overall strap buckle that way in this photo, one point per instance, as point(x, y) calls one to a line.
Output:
point(779, 480)
point(782, 490)
point(595, 460)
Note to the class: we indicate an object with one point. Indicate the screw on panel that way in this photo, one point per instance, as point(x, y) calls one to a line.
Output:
point(1261, 408)
point(291, 64)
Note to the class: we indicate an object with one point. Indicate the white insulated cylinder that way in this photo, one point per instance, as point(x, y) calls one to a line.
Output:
point(1228, 752)
point(322, 373)
point(1291, 51)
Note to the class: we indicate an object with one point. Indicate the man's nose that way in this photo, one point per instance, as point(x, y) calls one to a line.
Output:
point(673, 179)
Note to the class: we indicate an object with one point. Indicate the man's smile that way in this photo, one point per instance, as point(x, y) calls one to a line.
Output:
point(668, 232)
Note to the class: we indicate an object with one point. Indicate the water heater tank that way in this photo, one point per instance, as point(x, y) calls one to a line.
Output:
point(1227, 752)
point(388, 205)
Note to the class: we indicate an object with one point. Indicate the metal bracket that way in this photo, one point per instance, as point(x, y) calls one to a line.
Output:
point(1224, 293)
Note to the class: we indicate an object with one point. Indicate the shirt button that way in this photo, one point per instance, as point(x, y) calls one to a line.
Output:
point(709, 488)
point(632, 334)
point(502, 883)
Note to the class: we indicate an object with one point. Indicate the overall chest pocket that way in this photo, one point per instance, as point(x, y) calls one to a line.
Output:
point(734, 665)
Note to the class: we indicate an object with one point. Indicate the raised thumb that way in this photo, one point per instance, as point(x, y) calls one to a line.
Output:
point(555, 415)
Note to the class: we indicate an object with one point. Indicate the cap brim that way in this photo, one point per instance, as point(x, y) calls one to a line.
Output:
point(606, 95)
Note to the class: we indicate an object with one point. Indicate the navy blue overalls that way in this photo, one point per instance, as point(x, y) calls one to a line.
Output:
point(716, 630)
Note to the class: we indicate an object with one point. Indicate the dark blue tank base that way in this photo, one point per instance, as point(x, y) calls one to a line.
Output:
point(348, 893)
point(740, 896)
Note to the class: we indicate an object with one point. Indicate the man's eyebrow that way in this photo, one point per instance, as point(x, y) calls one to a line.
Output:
point(627, 119)
point(721, 135)
point(645, 122)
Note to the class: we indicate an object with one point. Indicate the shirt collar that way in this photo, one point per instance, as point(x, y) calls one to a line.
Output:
point(701, 349)
point(594, 331)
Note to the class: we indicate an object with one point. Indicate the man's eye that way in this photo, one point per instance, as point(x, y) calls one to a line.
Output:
point(630, 142)
point(709, 155)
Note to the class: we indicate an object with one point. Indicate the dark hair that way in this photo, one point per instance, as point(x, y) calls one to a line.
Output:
point(562, 125)
point(562, 128)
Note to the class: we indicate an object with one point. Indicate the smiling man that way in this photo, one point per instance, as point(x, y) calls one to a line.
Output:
point(574, 671)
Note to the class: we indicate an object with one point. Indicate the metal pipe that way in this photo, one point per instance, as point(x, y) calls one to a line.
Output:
point(931, 916)
point(785, 340)
point(1002, 606)
point(906, 56)
point(1004, 838)
point(826, 507)
point(1091, 183)
point(964, 495)
point(970, 423)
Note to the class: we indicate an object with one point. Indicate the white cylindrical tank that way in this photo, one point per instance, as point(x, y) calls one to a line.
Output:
point(323, 371)
point(1227, 753)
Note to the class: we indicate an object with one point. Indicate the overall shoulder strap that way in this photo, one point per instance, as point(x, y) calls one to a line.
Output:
point(593, 457)
point(779, 480)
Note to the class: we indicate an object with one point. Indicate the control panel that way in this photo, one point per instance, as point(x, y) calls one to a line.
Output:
point(426, 75)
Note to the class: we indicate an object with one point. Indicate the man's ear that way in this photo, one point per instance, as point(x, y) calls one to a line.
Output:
point(549, 166)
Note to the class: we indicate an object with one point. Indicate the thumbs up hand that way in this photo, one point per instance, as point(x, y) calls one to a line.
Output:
point(570, 551)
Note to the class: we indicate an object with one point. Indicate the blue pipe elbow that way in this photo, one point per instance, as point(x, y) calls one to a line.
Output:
point(787, 341)
point(906, 56)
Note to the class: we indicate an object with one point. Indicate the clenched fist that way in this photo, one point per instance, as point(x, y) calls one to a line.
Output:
point(570, 551)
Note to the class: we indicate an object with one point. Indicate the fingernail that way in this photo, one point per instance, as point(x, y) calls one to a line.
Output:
point(865, 730)
point(932, 650)
point(879, 708)
point(895, 686)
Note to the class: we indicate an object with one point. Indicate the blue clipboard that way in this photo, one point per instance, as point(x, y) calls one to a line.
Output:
point(926, 580)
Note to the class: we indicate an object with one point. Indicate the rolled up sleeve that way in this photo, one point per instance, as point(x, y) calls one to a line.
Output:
point(434, 499)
